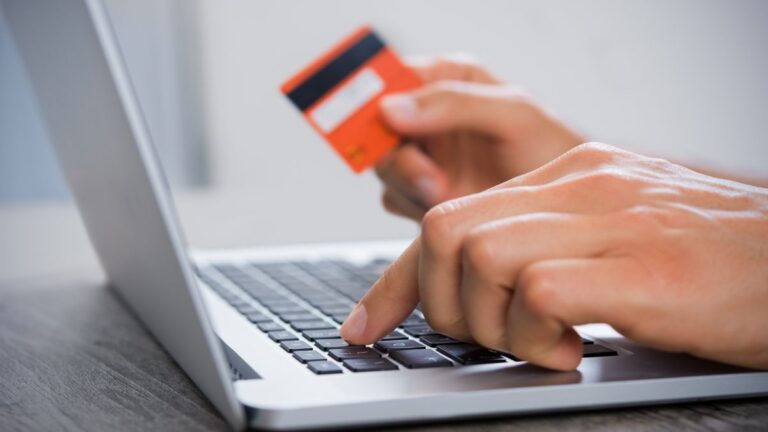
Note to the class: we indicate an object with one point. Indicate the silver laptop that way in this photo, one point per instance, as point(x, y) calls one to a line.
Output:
point(257, 330)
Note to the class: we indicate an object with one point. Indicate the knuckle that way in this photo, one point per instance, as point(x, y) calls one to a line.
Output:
point(437, 228)
point(592, 153)
point(477, 251)
point(605, 179)
point(601, 178)
point(646, 217)
point(537, 290)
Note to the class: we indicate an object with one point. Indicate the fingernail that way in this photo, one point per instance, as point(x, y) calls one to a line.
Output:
point(401, 106)
point(354, 326)
point(426, 187)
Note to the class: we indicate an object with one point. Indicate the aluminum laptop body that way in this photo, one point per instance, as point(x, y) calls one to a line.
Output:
point(95, 123)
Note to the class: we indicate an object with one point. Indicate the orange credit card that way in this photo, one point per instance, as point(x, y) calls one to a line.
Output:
point(338, 94)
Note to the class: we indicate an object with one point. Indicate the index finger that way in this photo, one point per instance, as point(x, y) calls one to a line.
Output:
point(389, 301)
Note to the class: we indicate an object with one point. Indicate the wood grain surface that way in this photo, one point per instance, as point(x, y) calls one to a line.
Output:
point(73, 358)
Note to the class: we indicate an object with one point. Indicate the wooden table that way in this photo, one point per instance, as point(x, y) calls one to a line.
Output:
point(72, 357)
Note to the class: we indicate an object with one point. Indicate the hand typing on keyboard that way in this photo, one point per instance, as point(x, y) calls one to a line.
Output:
point(669, 257)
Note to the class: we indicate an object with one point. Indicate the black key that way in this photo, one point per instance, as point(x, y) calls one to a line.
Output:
point(229, 297)
point(284, 308)
point(321, 299)
point(438, 339)
point(294, 345)
point(339, 318)
point(308, 356)
point(266, 296)
point(353, 352)
point(258, 317)
point(323, 367)
point(395, 335)
point(418, 359)
point(595, 350)
point(369, 364)
point(238, 304)
point(326, 344)
point(279, 303)
point(469, 354)
point(269, 326)
point(419, 330)
point(281, 335)
point(330, 310)
point(291, 317)
point(321, 334)
point(311, 325)
point(586, 341)
point(247, 310)
point(396, 345)
point(338, 304)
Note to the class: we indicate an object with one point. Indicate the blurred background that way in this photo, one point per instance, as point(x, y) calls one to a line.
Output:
point(684, 80)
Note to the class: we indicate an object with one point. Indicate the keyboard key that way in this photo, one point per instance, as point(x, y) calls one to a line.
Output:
point(294, 345)
point(326, 344)
point(323, 367)
point(418, 359)
point(396, 345)
point(308, 356)
point(268, 296)
point(369, 364)
point(247, 309)
point(418, 331)
point(269, 326)
point(395, 335)
point(258, 317)
point(321, 334)
point(240, 305)
point(339, 318)
point(438, 339)
point(291, 317)
point(311, 325)
point(595, 350)
point(338, 303)
point(353, 352)
point(330, 310)
point(469, 354)
point(283, 308)
point(269, 304)
point(320, 300)
point(281, 335)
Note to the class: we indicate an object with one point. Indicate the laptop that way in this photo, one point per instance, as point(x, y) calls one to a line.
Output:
point(257, 329)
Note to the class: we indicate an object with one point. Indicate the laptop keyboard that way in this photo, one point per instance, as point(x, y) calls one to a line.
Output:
point(301, 305)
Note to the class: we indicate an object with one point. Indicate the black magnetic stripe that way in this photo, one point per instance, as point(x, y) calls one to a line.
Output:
point(314, 87)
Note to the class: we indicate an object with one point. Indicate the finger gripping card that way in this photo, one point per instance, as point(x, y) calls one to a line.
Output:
point(338, 94)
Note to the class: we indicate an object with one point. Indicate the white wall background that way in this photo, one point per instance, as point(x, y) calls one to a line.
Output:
point(684, 79)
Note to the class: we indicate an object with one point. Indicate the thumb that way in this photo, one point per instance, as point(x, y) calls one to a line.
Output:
point(389, 301)
point(447, 106)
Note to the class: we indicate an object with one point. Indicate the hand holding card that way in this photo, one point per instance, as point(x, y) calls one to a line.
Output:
point(339, 94)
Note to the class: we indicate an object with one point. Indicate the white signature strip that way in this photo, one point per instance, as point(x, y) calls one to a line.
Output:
point(352, 96)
